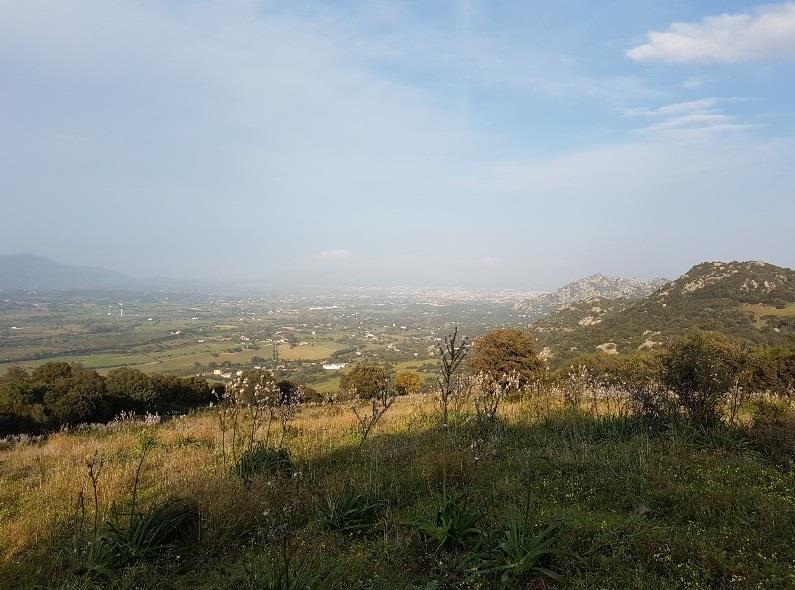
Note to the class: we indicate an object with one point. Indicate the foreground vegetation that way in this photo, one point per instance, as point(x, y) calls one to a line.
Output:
point(525, 484)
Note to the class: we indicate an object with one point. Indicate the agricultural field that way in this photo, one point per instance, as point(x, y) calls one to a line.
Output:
point(208, 335)
point(761, 312)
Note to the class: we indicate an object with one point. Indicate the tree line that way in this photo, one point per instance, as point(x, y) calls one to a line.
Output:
point(58, 394)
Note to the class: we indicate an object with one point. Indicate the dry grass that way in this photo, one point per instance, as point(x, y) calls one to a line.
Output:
point(40, 483)
point(595, 480)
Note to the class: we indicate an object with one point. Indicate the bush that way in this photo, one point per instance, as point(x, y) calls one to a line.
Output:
point(654, 404)
point(262, 458)
point(623, 371)
point(57, 393)
point(773, 430)
point(407, 382)
point(701, 369)
point(131, 389)
point(773, 369)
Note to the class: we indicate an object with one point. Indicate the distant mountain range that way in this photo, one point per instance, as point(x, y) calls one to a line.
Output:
point(28, 271)
point(591, 287)
point(752, 301)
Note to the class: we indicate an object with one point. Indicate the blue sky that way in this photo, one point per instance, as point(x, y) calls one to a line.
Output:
point(473, 143)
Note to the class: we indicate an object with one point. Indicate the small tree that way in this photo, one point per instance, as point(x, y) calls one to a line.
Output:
point(505, 354)
point(367, 380)
point(701, 369)
point(407, 382)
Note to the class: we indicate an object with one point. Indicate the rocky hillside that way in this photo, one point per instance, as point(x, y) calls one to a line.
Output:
point(594, 286)
point(752, 301)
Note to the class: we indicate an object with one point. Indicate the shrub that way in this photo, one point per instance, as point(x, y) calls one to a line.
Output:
point(773, 369)
point(623, 371)
point(701, 369)
point(653, 404)
point(262, 458)
point(349, 512)
point(79, 407)
point(407, 382)
point(773, 430)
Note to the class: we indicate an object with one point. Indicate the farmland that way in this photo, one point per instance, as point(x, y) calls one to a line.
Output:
point(212, 334)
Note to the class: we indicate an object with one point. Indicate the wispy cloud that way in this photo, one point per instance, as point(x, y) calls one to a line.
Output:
point(691, 120)
point(769, 33)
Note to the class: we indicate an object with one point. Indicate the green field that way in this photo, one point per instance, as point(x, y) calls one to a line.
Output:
point(760, 312)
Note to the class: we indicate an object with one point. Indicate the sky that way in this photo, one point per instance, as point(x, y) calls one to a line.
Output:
point(439, 142)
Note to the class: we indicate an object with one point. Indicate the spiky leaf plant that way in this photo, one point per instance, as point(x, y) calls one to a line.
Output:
point(455, 526)
point(349, 512)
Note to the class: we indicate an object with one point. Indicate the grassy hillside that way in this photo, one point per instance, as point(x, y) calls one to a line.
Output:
point(752, 301)
point(634, 508)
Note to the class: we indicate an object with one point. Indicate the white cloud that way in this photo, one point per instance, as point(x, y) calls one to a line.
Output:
point(769, 33)
point(337, 254)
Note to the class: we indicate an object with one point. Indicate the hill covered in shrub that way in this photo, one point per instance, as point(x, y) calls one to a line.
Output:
point(749, 301)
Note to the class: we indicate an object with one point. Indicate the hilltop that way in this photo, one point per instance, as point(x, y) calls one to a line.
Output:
point(751, 301)
point(589, 288)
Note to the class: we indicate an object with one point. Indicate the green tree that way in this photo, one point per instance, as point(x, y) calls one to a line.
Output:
point(16, 387)
point(367, 380)
point(503, 352)
point(78, 398)
point(131, 389)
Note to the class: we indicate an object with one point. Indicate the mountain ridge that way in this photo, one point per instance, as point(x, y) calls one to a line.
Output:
point(749, 300)
point(593, 286)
